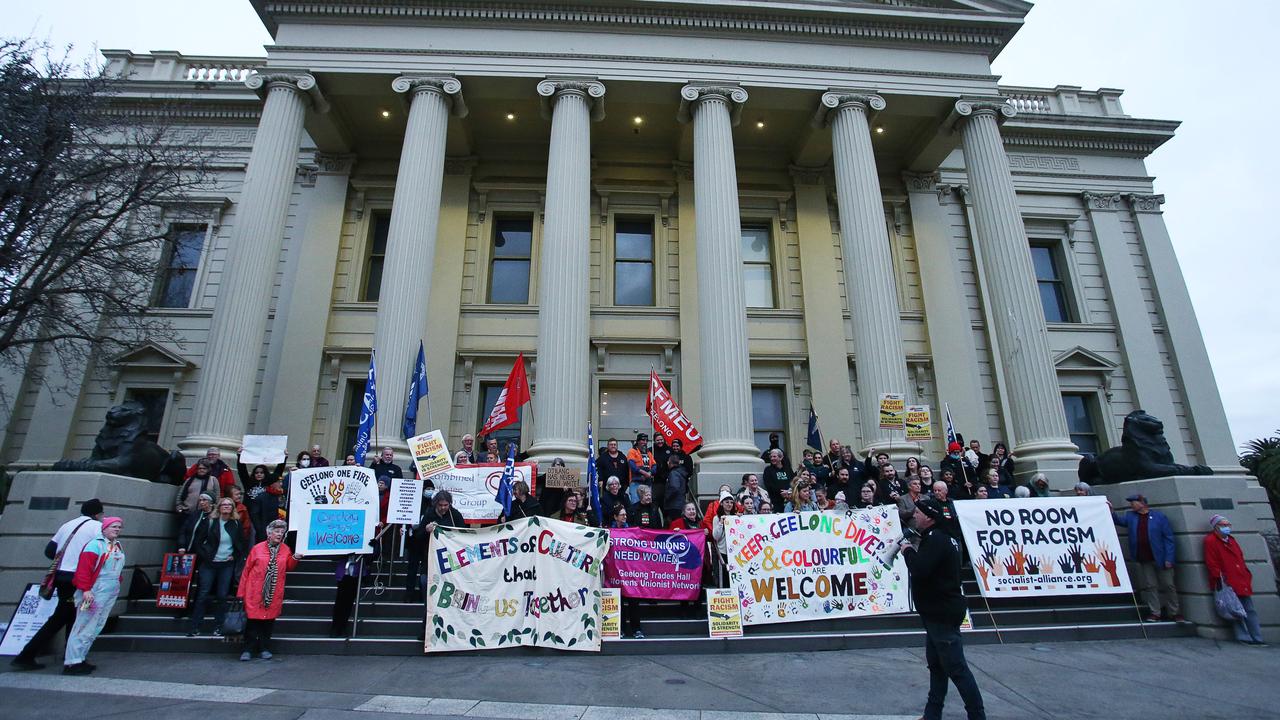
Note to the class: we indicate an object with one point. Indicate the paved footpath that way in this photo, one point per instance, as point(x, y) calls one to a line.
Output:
point(1182, 678)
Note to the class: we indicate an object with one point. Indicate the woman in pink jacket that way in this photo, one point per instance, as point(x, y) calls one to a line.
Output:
point(262, 589)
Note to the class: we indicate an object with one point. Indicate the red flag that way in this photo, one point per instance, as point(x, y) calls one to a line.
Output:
point(514, 394)
point(668, 418)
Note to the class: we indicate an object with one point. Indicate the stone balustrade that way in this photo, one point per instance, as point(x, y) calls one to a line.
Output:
point(160, 66)
point(1064, 100)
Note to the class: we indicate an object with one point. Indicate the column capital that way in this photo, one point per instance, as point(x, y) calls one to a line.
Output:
point(324, 164)
point(735, 96)
point(447, 87)
point(835, 100)
point(920, 182)
point(802, 175)
point(683, 171)
point(1094, 201)
point(968, 108)
point(588, 87)
point(1145, 203)
point(302, 82)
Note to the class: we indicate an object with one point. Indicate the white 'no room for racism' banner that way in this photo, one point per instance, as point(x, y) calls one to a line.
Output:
point(1043, 546)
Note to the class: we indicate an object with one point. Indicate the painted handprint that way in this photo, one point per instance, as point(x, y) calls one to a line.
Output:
point(1108, 563)
point(1033, 565)
point(1091, 564)
point(983, 571)
point(989, 553)
point(1019, 557)
point(1077, 559)
point(1012, 566)
point(1065, 564)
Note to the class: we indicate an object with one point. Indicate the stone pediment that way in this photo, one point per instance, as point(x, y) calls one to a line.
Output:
point(1079, 359)
point(151, 356)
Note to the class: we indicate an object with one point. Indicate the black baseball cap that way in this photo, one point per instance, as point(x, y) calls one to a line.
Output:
point(932, 508)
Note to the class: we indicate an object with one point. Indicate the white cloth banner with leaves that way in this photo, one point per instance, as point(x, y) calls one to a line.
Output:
point(532, 581)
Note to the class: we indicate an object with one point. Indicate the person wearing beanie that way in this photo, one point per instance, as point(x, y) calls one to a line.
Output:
point(97, 581)
point(934, 568)
point(64, 548)
point(1224, 562)
point(962, 476)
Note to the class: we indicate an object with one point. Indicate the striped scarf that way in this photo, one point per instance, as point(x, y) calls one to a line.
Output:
point(272, 575)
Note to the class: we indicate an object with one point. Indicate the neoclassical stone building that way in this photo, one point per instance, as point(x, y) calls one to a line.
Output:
point(776, 205)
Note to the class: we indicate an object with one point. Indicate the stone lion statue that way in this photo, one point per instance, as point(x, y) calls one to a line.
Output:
point(1143, 454)
point(122, 448)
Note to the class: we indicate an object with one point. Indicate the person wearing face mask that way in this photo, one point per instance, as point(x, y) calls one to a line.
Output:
point(258, 483)
point(415, 543)
point(1224, 562)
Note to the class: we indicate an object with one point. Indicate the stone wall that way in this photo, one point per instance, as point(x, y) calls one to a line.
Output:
point(1189, 502)
point(41, 501)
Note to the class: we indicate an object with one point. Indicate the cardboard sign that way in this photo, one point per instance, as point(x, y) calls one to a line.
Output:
point(533, 581)
point(724, 613)
point(176, 571)
point(563, 477)
point(31, 613)
point(917, 423)
point(405, 506)
point(893, 411)
point(610, 613)
point(430, 454)
point(333, 509)
point(1043, 546)
point(269, 450)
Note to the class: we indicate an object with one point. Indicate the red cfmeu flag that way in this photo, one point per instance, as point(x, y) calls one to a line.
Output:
point(514, 394)
point(668, 418)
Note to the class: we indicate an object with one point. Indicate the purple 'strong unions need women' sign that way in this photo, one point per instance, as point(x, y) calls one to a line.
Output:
point(656, 564)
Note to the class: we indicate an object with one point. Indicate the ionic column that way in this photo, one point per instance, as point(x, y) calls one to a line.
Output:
point(722, 314)
point(232, 355)
point(564, 278)
point(869, 278)
point(1039, 427)
point(411, 244)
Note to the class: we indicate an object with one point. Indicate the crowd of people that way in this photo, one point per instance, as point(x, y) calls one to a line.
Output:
point(233, 522)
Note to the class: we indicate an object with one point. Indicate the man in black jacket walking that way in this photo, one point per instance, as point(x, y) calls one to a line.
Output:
point(935, 585)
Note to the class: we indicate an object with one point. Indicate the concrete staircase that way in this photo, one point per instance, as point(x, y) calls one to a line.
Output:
point(391, 625)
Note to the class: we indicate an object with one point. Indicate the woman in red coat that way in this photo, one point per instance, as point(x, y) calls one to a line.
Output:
point(1224, 560)
point(262, 589)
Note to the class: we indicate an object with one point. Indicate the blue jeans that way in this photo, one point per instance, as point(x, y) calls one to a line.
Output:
point(215, 577)
point(1248, 629)
point(944, 653)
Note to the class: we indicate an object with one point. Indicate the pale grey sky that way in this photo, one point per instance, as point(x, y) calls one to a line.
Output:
point(1210, 65)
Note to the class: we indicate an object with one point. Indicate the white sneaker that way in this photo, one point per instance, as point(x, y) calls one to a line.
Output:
point(265, 655)
point(245, 656)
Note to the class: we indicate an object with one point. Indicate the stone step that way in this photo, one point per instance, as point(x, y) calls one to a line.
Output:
point(779, 641)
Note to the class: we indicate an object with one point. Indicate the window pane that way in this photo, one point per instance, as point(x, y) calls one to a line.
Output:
point(767, 416)
point(508, 434)
point(175, 291)
point(381, 226)
point(512, 237)
point(373, 279)
point(355, 400)
point(633, 240)
point(622, 415)
point(1086, 443)
point(755, 245)
point(1078, 419)
point(186, 248)
point(1054, 302)
point(757, 281)
point(633, 283)
point(1042, 258)
point(509, 282)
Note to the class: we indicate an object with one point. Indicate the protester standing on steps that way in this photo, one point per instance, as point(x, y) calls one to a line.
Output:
point(935, 586)
point(97, 581)
point(219, 550)
point(64, 549)
point(262, 589)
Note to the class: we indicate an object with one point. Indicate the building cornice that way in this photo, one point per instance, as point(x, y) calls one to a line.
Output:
point(987, 32)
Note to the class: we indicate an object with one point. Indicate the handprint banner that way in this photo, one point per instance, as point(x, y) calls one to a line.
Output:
point(532, 581)
point(1043, 546)
point(817, 565)
point(333, 509)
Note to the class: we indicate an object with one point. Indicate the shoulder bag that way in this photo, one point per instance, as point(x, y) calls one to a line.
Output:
point(49, 583)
